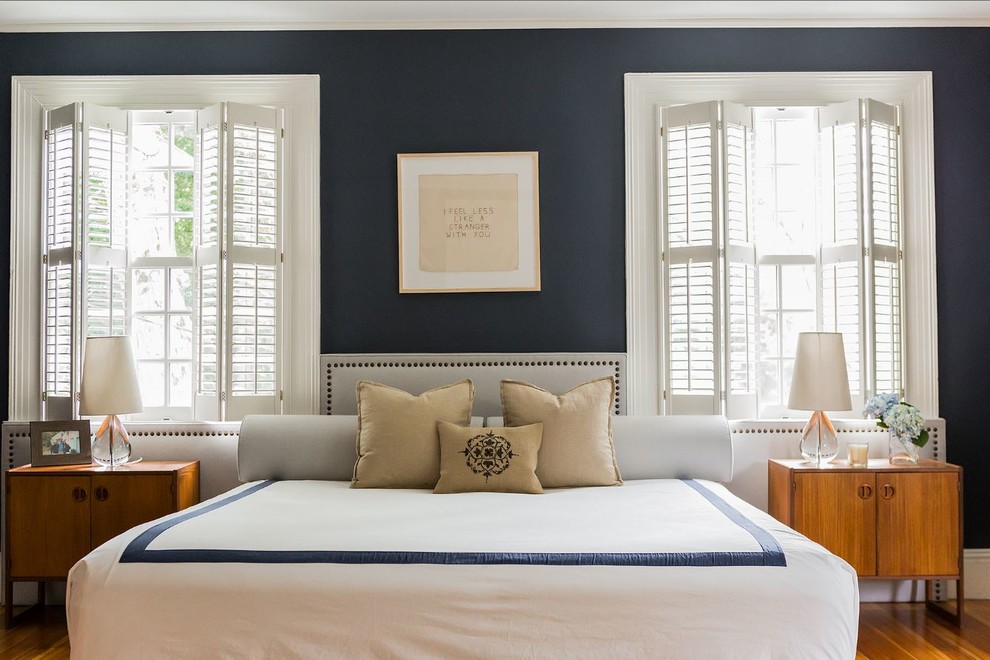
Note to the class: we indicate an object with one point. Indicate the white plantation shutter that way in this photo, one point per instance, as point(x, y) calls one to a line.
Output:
point(883, 226)
point(740, 262)
point(861, 281)
point(709, 267)
point(210, 203)
point(841, 261)
point(85, 256)
point(105, 218)
point(238, 261)
point(60, 266)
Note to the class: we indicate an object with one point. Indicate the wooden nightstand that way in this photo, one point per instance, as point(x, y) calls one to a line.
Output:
point(55, 515)
point(887, 521)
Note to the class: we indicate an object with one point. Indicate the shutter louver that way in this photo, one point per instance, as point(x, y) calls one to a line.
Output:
point(209, 203)
point(842, 247)
point(239, 261)
point(887, 326)
point(710, 260)
point(883, 217)
point(105, 218)
point(61, 162)
point(690, 202)
point(740, 255)
point(85, 253)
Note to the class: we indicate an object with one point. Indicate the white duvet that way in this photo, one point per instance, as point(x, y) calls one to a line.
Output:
point(316, 569)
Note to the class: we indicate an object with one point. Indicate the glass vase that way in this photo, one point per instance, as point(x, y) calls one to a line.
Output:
point(902, 450)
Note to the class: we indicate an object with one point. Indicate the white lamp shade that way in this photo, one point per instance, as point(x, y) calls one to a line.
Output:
point(820, 380)
point(109, 378)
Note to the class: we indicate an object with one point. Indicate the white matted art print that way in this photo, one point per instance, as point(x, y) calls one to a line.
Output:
point(469, 222)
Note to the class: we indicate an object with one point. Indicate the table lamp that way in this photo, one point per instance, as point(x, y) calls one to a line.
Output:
point(109, 387)
point(820, 383)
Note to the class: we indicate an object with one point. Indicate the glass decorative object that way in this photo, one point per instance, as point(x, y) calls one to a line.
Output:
point(819, 443)
point(112, 445)
point(902, 449)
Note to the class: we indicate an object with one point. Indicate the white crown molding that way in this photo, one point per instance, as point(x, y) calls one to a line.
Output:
point(255, 15)
point(502, 24)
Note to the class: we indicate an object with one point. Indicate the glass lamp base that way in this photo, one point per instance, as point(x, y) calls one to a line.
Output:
point(819, 443)
point(112, 446)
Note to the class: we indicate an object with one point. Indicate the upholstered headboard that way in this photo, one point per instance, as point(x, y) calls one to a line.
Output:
point(416, 373)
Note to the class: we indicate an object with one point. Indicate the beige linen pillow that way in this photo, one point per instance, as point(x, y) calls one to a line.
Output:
point(489, 460)
point(577, 431)
point(397, 440)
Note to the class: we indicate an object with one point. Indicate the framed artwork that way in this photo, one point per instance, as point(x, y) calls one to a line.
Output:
point(61, 443)
point(469, 222)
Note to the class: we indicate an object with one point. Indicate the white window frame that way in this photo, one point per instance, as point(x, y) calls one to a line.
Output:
point(297, 95)
point(646, 93)
point(164, 264)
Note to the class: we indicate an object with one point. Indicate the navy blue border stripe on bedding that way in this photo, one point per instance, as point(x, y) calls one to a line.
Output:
point(763, 537)
point(771, 555)
point(140, 544)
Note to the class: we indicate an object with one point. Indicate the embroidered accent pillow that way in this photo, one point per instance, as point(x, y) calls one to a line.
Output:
point(397, 442)
point(489, 460)
point(577, 445)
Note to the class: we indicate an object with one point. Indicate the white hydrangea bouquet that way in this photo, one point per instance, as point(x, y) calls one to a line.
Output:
point(905, 423)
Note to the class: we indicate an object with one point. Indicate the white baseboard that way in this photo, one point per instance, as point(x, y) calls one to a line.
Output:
point(976, 573)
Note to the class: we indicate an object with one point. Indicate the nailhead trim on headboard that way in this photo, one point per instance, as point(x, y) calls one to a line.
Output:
point(10, 447)
point(935, 428)
point(330, 362)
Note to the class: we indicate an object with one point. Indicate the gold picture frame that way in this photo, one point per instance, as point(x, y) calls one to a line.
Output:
point(61, 443)
point(469, 222)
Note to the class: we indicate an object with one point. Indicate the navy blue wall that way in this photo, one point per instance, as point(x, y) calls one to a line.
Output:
point(558, 92)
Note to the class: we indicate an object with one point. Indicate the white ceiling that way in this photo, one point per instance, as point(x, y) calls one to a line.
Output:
point(292, 15)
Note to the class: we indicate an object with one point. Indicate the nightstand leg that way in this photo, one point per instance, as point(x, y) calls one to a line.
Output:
point(8, 603)
point(936, 607)
point(9, 618)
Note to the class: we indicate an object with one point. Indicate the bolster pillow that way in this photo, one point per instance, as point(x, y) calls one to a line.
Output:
point(323, 447)
point(669, 446)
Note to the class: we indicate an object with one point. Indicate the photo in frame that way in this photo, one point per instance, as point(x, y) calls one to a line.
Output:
point(61, 443)
point(469, 222)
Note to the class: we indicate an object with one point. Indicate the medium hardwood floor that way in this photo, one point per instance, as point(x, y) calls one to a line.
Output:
point(886, 630)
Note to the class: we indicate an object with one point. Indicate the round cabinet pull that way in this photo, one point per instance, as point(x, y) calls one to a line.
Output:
point(78, 494)
point(865, 491)
point(886, 491)
point(102, 494)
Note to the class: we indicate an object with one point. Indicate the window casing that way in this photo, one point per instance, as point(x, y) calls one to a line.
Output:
point(647, 93)
point(147, 211)
point(297, 96)
point(709, 265)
